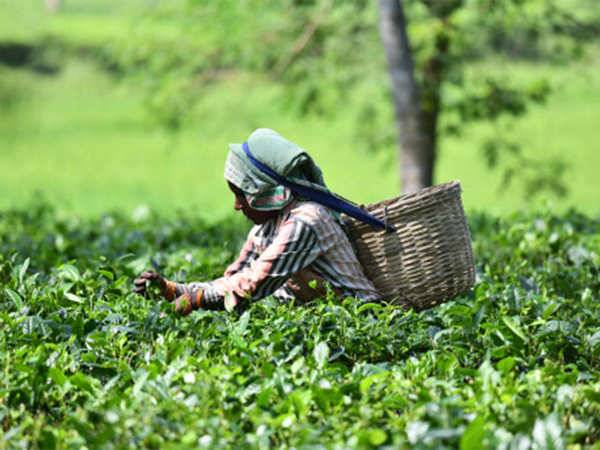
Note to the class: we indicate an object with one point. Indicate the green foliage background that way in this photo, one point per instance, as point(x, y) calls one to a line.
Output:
point(89, 140)
point(86, 362)
point(512, 364)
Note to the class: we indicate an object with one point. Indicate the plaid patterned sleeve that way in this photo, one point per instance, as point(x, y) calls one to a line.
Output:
point(254, 276)
point(293, 248)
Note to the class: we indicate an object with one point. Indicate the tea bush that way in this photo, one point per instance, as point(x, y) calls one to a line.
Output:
point(86, 363)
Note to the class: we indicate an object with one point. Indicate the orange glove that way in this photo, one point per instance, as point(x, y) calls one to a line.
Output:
point(189, 301)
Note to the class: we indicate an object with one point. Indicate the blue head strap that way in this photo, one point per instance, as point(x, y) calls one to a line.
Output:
point(324, 198)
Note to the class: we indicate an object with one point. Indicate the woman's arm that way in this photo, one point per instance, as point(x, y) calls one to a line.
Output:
point(253, 276)
point(207, 294)
point(294, 247)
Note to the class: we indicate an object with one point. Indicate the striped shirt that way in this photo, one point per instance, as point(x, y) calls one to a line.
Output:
point(305, 236)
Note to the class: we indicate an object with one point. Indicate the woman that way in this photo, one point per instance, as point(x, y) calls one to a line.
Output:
point(296, 247)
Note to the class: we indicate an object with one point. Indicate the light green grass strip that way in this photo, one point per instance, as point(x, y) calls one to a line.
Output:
point(85, 141)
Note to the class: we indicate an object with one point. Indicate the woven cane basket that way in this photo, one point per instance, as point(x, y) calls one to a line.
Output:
point(428, 259)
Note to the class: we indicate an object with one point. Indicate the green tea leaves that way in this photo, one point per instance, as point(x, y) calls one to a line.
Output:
point(73, 298)
point(23, 270)
point(321, 354)
point(514, 326)
point(68, 272)
point(86, 363)
point(14, 297)
point(472, 438)
point(547, 434)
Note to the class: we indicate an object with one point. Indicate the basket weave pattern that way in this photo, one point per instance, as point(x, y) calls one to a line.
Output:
point(428, 259)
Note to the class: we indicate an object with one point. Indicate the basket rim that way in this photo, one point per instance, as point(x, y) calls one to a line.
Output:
point(423, 194)
point(412, 202)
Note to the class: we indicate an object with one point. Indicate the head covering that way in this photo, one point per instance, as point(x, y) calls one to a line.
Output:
point(283, 156)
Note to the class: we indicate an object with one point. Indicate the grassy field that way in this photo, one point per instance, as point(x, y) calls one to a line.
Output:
point(88, 364)
point(93, 149)
point(83, 139)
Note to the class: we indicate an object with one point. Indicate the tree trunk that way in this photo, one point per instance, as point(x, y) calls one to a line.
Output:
point(416, 150)
point(52, 6)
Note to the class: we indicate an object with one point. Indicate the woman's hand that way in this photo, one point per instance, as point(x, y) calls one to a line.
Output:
point(146, 279)
point(184, 301)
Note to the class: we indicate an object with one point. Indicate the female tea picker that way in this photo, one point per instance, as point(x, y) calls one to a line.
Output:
point(297, 244)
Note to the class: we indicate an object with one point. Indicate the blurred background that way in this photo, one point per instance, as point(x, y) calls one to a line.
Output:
point(117, 105)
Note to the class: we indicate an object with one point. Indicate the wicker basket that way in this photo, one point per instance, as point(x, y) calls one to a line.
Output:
point(428, 260)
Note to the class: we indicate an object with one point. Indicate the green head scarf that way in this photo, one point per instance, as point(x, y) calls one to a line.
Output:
point(282, 156)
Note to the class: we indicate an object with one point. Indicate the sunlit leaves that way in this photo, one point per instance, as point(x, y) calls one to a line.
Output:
point(86, 363)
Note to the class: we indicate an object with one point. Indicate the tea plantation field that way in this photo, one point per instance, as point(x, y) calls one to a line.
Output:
point(87, 364)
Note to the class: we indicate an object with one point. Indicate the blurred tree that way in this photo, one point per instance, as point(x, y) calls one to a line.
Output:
point(328, 55)
point(417, 126)
point(52, 5)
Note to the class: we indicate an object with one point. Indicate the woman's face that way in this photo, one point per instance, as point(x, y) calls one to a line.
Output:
point(240, 204)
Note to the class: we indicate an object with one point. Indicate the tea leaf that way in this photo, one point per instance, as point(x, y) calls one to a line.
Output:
point(472, 438)
point(321, 354)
